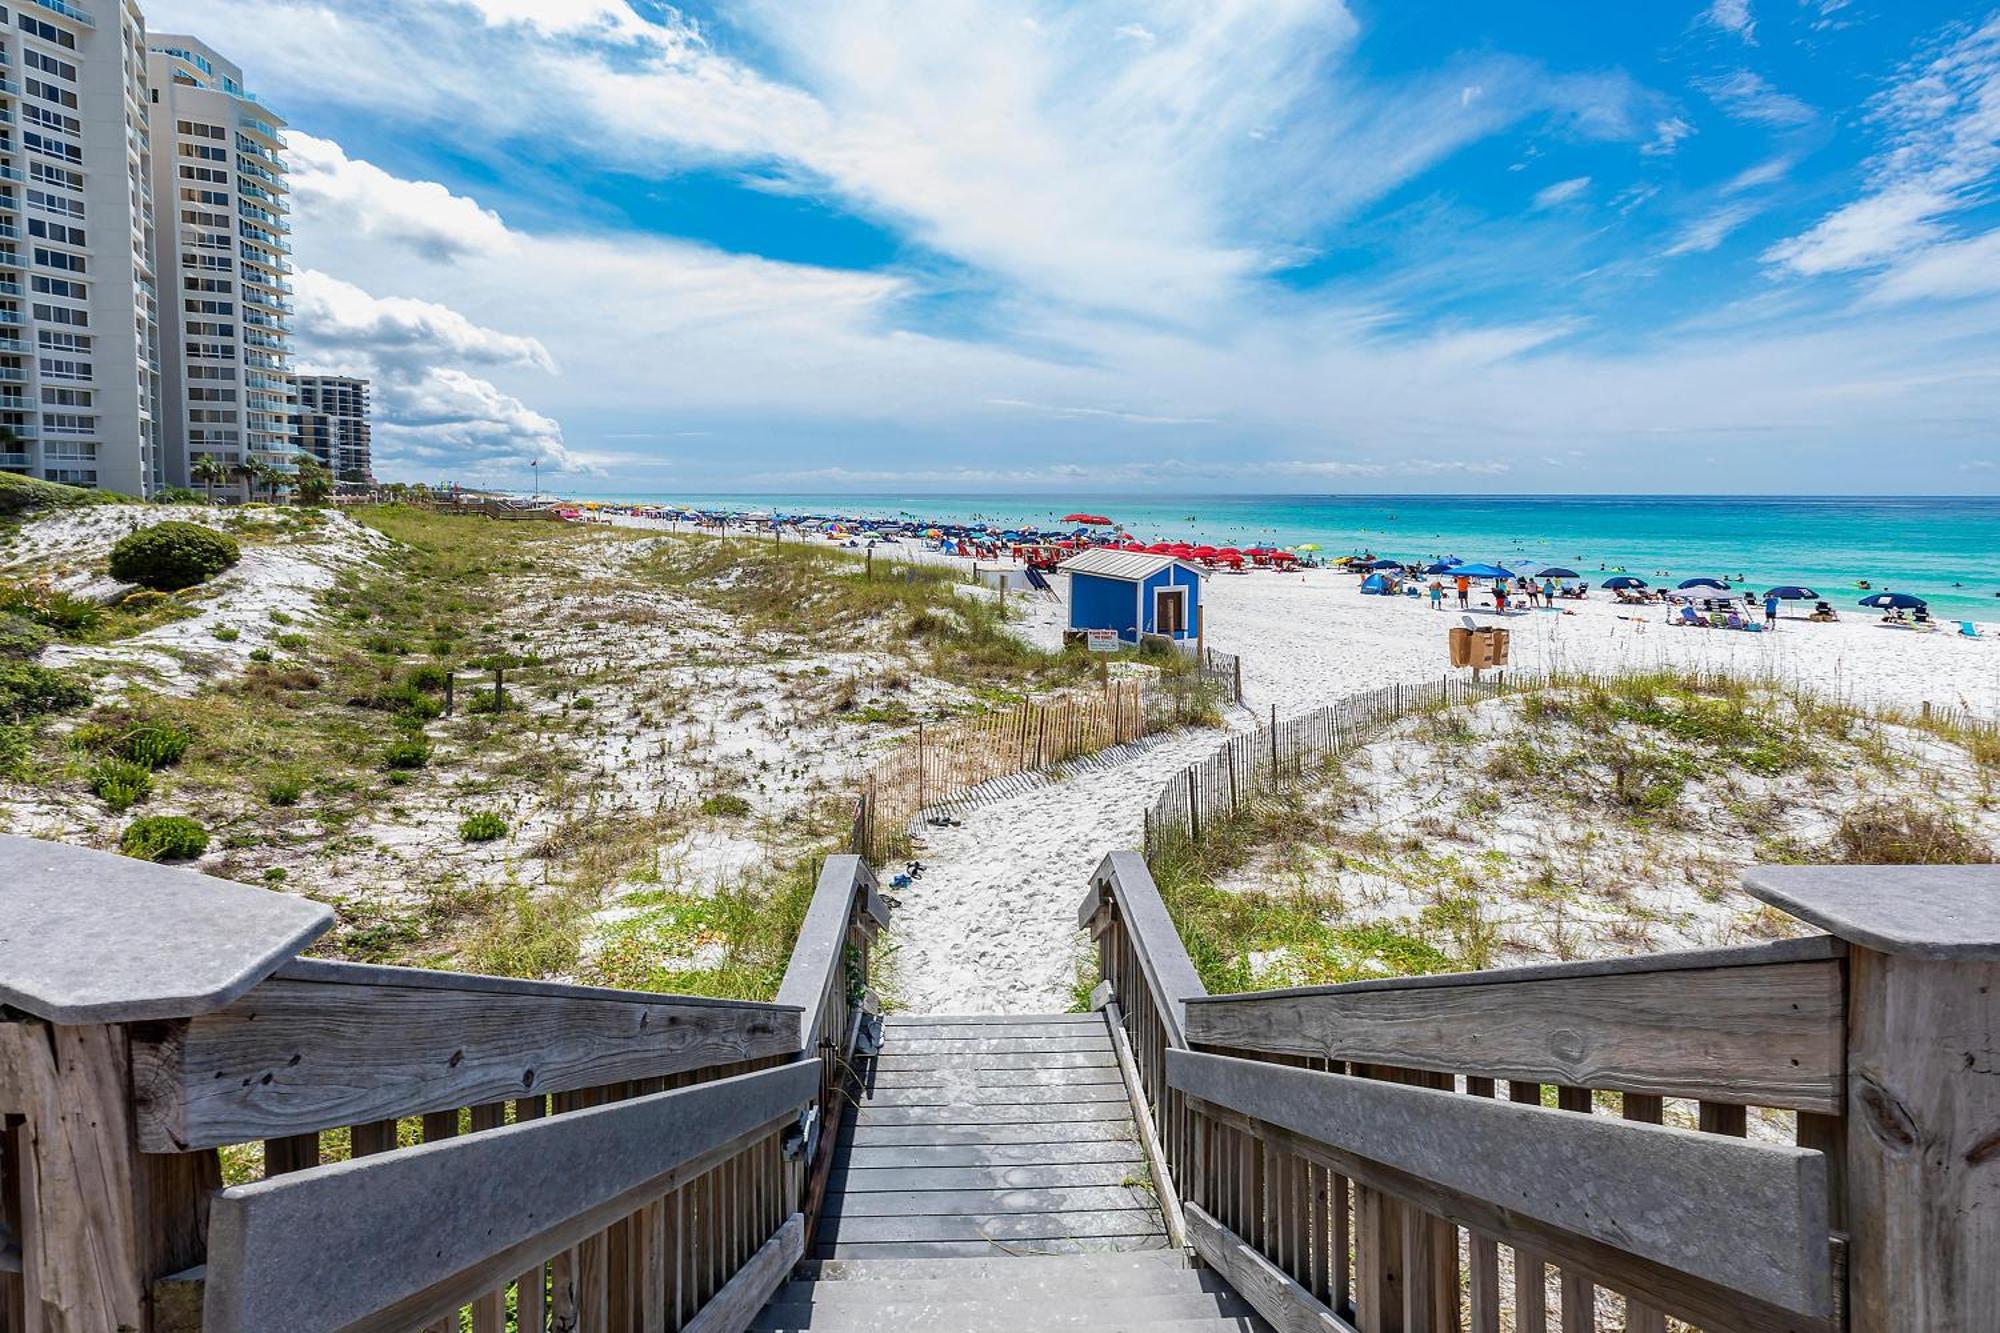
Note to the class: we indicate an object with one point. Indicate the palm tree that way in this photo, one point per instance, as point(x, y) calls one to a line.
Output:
point(245, 471)
point(311, 482)
point(211, 472)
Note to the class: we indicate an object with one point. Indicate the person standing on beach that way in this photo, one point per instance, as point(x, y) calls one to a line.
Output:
point(1500, 597)
point(1464, 592)
point(1437, 595)
point(1770, 610)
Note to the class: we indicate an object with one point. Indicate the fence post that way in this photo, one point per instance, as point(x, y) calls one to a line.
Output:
point(1239, 678)
point(449, 677)
point(499, 689)
point(1194, 810)
point(1922, 1189)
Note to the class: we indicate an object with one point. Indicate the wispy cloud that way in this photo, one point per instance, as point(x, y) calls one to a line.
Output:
point(1734, 17)
point(1749, 96)
point(1549, 196)
point(1940, 151)
point(1708, 231)
point(1667, 136)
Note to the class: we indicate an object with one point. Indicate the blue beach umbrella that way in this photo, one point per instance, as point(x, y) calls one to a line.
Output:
point(1383, 564)
point(1558, 573)
point(1716, 584)
point(1624, 581)
point(1894, 601)
point(1482, 571)
point(1791, 593)
point(1442, 567)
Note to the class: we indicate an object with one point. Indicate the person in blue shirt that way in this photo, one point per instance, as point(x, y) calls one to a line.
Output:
point(1770, 611)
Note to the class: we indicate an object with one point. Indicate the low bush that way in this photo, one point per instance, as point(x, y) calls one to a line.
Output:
point(260, 654)
point(485, 826)
point(386, 643)
point(726, 805)
point(16, 752)
point(154, 745)
point(406, 700)
point(66, 615)
point(20, 638)
point(294, 642)
point(226, 633)
point(163, 838)
point(408, 753)
point(173, 555)
point(284, 790)
point(28, 691)
point(1895, 833)
point(487, 701)
point(430, 677)
point(120, 783)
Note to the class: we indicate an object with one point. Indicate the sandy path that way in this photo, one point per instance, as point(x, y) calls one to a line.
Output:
point(991, 927)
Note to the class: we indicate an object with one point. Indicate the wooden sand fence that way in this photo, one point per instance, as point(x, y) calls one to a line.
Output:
point(1256, 764)
point(956, 765)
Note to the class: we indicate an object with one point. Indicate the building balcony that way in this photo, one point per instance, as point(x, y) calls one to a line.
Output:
point(10, 375)
point(11, 173)
point(68, 11)
point(11, 317)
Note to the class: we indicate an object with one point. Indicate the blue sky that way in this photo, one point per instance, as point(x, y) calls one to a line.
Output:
point(1244, 245)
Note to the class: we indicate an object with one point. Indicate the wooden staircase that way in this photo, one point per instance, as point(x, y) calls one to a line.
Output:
point(992, 1179)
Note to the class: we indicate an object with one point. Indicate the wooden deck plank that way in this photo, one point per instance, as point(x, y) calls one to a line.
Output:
point(1054, 1199)
point(1086, 1040)
point(895, 1059)
point(981, 1177)
point(989, 1114)
point(986, 1249)
point(992, 1154)
point(871, 1135)
point(971, 1077)
point(1001, 1095)
point(993, 1226)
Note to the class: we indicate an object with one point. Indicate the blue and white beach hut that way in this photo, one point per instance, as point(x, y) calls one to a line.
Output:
point(1135, 594)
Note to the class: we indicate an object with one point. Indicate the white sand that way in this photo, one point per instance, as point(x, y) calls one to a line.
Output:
point(991, 926)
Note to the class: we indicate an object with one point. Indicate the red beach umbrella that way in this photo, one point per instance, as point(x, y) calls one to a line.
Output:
point(1094, 520)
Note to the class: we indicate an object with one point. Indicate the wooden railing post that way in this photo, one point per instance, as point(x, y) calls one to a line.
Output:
point(1923, 1084)
point(110, 947)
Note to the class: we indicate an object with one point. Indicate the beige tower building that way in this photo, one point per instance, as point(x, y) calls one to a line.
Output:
point(219, 194)
point(78, 310)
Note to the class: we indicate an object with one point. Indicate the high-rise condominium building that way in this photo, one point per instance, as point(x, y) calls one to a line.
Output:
point(333, 425)
point(78, 338)
point(225, 328)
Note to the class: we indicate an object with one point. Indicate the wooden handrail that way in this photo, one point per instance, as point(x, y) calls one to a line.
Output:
point(1123, 883)
point(395, 1240)
point(1757, 1026)
point(448, 1146)
point(1745, 1218)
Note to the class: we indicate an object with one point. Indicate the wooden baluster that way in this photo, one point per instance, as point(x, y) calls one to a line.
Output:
point(1530, 1292)
point(1644, 1110)
point(438, 1126)
point(1340, 1251)
point(564, 1294)
point(1723, 1118)
point(489, 1312)
point(1579, 1295)
point(294, 1152)
point(376, 1136)
point(531, 1288)
point(1484, 1252)
point(1378, 1262)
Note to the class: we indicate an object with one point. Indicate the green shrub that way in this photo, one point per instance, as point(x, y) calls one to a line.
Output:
point(27, 690)
point(20, 638)
point(429, 677)
point(16, 749)
point(260, 654)
point(484, 826)
point(120, 783)
point(410, 752)
point(173, 555)
point(284, 790)
point(143, 600)
point(406, 700)
point(226, 634)
point(279, 617)
point(386, 643)
point(59, 611)
point(486, 701)
point(294, 642)
point(154, 745)
point(179, 495)
point(163, 838)
point(726, 804)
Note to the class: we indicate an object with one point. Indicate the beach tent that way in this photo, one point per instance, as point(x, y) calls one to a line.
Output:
point(1375, 585)
point(1133, 593)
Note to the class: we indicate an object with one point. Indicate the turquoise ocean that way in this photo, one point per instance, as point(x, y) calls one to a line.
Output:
point(1944, 549)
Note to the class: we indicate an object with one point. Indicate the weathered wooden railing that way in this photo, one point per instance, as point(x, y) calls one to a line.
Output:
point(1795, 1136)
point(434, 1150)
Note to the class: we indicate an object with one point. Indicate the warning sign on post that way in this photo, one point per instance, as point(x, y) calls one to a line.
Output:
point(1102, 640)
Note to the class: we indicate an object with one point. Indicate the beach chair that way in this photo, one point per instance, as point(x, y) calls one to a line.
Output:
point(1968, 630)
point(1689, 616)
